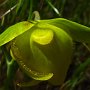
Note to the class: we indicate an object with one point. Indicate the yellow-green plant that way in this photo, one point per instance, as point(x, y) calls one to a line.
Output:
point(43, 48)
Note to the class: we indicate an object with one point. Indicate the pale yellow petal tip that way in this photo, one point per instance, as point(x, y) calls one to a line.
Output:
point(43, 77)
point(42, 37)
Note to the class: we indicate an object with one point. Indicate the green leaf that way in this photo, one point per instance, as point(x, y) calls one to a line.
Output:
point(14, 30)
point(77, 31)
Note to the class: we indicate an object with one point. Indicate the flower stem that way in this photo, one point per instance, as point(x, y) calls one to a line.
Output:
point(11, 69)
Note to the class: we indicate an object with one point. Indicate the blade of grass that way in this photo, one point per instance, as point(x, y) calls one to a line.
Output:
point(30, 10)
point(19, 5)
point(53, 7)
point(8, 11)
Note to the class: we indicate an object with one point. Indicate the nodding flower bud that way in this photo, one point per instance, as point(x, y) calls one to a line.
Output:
point(43, 52)
point(43, 48)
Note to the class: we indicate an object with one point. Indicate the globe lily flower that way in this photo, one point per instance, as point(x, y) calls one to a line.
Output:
point(43, 48)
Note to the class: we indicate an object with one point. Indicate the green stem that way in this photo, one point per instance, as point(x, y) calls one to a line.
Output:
point(11, 69)
point(12, 66)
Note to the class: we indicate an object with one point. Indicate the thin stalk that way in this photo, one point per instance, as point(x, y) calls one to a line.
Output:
point(8, 11)
point(62, 6)
point(11, 69)
point(2, 22)
point(18, 6)
point(30, 11)
point(53, 7)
